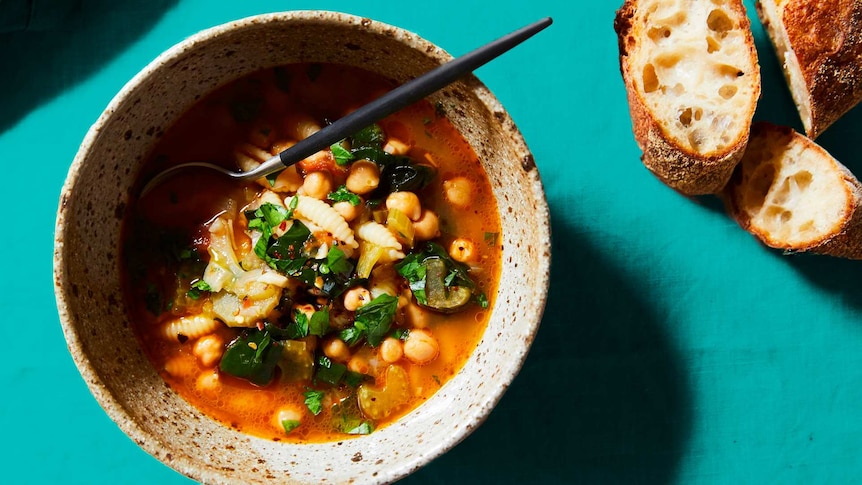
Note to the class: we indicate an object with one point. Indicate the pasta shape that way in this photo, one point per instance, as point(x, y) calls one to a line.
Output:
point(301, 126)
point(324, 216)
point(190, 327)
point(249, 156)
point(378, 234)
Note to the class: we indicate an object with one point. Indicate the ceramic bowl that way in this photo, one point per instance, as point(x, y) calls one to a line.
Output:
point(87, 268)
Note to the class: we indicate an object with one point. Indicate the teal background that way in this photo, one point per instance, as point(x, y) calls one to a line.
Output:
point(674, 348)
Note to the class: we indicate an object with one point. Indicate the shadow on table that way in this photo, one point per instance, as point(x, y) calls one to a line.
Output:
point(602, 397)
point(838, 276)
point(41, 65)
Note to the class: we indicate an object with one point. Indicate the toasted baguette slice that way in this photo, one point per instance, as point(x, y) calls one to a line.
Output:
point(792, 195)
point(820, 47)
point(693, 81)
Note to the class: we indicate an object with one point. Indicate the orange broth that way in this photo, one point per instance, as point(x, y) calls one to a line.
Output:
point(173, 221)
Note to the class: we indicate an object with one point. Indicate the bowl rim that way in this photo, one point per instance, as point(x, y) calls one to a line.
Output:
point(150, 443)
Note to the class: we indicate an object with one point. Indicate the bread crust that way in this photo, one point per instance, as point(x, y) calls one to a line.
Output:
point(826, 38)
point(845, 241)
point(685, 170)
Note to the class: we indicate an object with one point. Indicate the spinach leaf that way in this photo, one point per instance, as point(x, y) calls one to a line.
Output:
point(285, 252)
point(252, 356)
point(375, 318)
point(336, 271)
point(413, 270)
point(318, 324)
point(351, 336)
point(405, 175)
point(372, 136)
point(329, 371)
point(336, 262)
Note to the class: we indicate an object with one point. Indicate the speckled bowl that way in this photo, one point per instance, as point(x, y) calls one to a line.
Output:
point(87, 267)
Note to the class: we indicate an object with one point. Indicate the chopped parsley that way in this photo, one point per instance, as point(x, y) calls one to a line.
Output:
point(318, 324)
point(197, 289)
point(364, 428)
point(375, 318)
point(344, 195)
point(289, 425)
point(342, 155)
point(314, 401)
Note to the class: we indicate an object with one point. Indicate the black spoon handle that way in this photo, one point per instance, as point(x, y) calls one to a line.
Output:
point(399, 98)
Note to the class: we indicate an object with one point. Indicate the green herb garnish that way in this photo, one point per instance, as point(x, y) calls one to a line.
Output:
point(344, 195)
point(329, 371)
point(314, 401)
point(364, 428)
point(342, 155)
point(252, 356)
point(289, 425)
point(375, 318)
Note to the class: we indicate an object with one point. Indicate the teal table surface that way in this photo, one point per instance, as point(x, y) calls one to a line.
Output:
point(674, 348)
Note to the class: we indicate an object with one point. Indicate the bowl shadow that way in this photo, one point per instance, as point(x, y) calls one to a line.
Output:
point(602, 398)
point(45, 63)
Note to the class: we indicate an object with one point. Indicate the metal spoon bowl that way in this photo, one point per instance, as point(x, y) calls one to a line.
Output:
point(399, 98)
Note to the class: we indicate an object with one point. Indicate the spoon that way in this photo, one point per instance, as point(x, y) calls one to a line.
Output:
point(399, 98)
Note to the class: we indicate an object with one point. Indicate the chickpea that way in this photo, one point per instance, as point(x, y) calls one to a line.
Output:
point(287, 418)
point(391, 350)
point(336, 350)
point(209, 349)
point(249, 156)
point(463, 250)
point(359, 364)
point(421, 347)
point(347, 210)
point(300, 126)
point(458, 191)
point(289, 180)
point(427, 226)
point(356, 297)
point(281, 145)
point(208, 382)
point(406, 202)
point(317, 185)
point(364, 177)
point(306, 127)
point(403, 301)
point(416, 315)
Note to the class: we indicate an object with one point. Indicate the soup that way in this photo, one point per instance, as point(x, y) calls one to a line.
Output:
point(331, 298)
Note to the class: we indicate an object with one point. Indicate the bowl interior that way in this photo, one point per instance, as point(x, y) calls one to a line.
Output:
point(98, 190)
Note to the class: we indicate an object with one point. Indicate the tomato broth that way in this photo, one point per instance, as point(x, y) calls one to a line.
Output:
point(331, 299)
